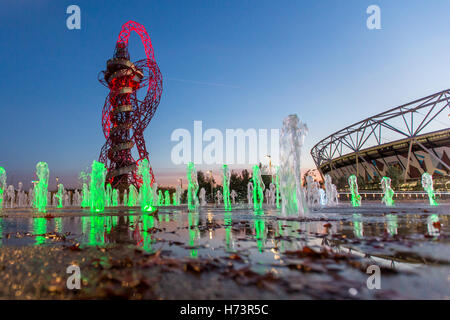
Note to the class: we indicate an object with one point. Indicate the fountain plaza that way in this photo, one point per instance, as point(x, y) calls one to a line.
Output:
point(288, 240)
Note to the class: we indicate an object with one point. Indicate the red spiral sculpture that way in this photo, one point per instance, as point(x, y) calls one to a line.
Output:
point(124, 116)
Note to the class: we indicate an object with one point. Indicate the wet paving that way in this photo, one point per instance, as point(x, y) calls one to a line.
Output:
point(217, 254)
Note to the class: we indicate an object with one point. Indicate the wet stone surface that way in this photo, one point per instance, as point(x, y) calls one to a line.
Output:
point(214, 254)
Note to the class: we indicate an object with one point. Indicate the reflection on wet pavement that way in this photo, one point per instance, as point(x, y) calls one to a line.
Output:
point(407, 239)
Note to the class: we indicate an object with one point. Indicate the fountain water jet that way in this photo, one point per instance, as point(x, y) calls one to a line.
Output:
point(41, 188)
point(388, 192)
point(427, 184)
point(192, 186)
point(353, 183)
point(258, 188)
point(145, 191)
point(132, 196)
point(60, 195)
point(97, 187)
point(292, 137)
point(331, 192)
point(2, 185)
point(226, 187)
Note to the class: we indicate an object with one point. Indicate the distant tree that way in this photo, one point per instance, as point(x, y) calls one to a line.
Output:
point(395, 173)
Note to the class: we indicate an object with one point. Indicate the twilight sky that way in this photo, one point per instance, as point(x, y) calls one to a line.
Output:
point(231, 64)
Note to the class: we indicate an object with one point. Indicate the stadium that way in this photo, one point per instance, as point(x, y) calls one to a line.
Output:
point(411, 139)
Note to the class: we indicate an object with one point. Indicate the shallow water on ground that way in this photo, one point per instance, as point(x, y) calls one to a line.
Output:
point(409, 241)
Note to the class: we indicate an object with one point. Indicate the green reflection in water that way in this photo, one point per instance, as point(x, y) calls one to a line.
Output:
point(288, 229)
point(99, 228)
point(228, 231)
point(260, 229)
point(148, 222)
point(58, 225)
point(392, 224)
point(194, 233)
point(358, 225)
point(39, 228)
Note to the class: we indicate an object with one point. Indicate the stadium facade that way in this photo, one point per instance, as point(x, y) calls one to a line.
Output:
point(414, 137)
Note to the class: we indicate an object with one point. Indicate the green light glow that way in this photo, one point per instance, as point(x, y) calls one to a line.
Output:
point(167, 197)
point(97, 187)
point(388, 192)
point(40, 228)
point(228, 222)
point(258, 188)
point(174, 199)
point(108, 195)
point(85, 196)
point(194, 232)
point(115, 198)
point(260, 230)
point(2, 185)
point(427, 184)
point(60, 195)
point(145, 191)
point(132, 196)
point(226, 188)
point(41, 188)
point(353, 183)
point(191, 174)
point(392, 224)
point(358, 225)
point(160, 198)
point(148, 222)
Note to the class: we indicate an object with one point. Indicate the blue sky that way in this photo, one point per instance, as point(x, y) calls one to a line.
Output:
point(231, 64)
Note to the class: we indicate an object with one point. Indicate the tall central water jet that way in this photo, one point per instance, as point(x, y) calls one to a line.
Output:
point(97, 187)
point(145, 191)
point(2, 185)
point(41, 188)
point(427, 184)
point(258, 188)
point(226, 187)
point(191, 174)
point(353, 183)
point(388, 192)
point(292, 137)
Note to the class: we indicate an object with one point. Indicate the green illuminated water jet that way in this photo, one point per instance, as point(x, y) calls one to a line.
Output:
point(41, 188)
point(258, 188)
point(427, 184)
point(2, 185)
point(191, 174)
point(60, 195)
point(108, 195)
point(115, 198)
point(132, 196)
point(226, 187)
point(85, 202)
point(353, 183)
point(160, 198)
point(97, 187)
point(167, 198)
point(388, 192)
point(145, 191)
point(174, 199)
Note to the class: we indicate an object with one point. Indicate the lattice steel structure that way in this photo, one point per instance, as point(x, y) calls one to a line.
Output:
point(415, 133)
point(124, 115)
